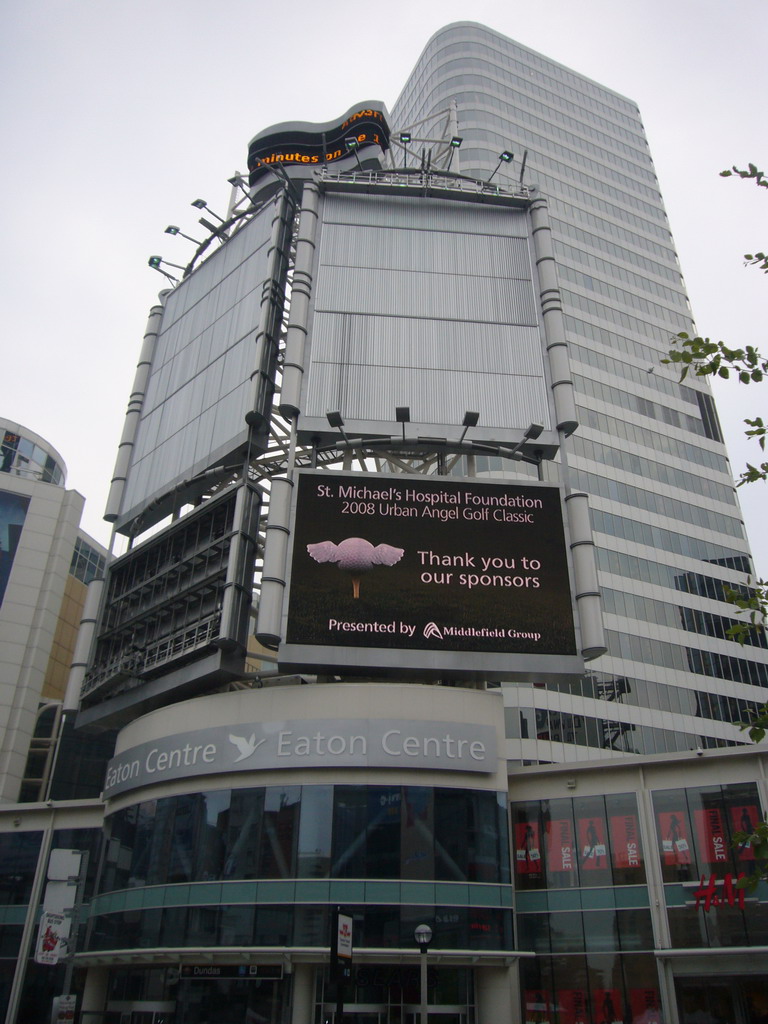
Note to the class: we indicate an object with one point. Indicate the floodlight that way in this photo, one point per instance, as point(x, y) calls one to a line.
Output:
point(470, 420)
point(505, 157)
point(353, 143)
point(335, 420)
point(155, 261)
point(202, 205)
point(172, 229)
point(403, 415)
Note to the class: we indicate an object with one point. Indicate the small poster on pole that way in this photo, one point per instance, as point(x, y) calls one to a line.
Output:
point(344, 937)
point(52, 938)
point(63, 1009)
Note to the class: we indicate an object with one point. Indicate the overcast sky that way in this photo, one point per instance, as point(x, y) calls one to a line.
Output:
point(116, 114)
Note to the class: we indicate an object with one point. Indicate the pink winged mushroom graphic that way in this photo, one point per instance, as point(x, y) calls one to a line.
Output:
point(355, 556)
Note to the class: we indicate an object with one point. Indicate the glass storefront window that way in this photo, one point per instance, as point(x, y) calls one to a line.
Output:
point(360, 832)
point(694, 829)
point(585, 841)
point(18, 856)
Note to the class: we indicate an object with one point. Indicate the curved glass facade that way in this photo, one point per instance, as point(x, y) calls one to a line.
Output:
point(22, 455)
point(262, 866)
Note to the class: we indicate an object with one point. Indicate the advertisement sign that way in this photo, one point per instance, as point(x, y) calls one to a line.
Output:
point(710, 835)
point(416, 571)
point(625, 841)
point(561, 855)
point(592, 844)
point(527, 850)
point(538, 1007)
point(52, 938)
point(673, 833)
point(608, 1006)
point(63, 1009)
point(344, 936)
point(745, 819)
point(645, 1006)
point(572, 1006)
point(311, 146)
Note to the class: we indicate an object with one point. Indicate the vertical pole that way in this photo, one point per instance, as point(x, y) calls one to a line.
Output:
point(337, 968)
point(423, 965)
point(29, 931)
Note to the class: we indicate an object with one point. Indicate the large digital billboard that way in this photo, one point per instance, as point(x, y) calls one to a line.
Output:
point(459, 576)
point(308, 146)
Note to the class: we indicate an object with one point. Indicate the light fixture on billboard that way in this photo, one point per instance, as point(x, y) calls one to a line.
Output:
point(403, 415)
point(455, 144)
point(404, 139)
point(352, 144)
point(505, 157)
point(423, 936)
point(335, 421)
point(202, 205)
point(533, 431)
point(470, 420)
point(173, 230)
point(236, 181)
point(156, 261)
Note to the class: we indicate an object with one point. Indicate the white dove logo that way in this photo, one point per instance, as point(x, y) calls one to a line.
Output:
point(432, 629)
point(247, 747)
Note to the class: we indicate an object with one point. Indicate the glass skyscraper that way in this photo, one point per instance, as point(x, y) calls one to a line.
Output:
point(648, 451)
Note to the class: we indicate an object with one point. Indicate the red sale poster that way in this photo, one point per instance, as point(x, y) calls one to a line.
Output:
point(710, 836)
point(572, 1006)
point(745, 819)
point(625, 841)
point(537, 1007)
point(607, 1008)
point(592, 845)
point(674, 837)
point(527, 850)
point(561, 856)
point(644, 1003)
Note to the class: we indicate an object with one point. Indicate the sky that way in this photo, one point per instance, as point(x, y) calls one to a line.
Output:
point(116, 114)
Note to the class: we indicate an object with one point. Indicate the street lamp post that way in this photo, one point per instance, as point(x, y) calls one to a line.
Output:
point(423, 936)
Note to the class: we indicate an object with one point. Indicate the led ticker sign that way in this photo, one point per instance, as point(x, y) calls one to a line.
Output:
point(440, 565)
point(302, 144)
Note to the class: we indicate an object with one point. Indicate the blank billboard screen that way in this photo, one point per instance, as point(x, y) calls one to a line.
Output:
point(431, 305)
point(200, 389)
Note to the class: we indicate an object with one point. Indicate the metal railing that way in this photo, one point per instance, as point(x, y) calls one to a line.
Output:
point(417, 178)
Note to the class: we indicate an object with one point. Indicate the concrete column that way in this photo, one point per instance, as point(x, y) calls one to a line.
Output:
point(303, 993)
point(95, 991)
point(133, 413)
point(495, 990)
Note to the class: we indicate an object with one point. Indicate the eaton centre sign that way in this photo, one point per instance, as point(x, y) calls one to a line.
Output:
point(310, 743)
